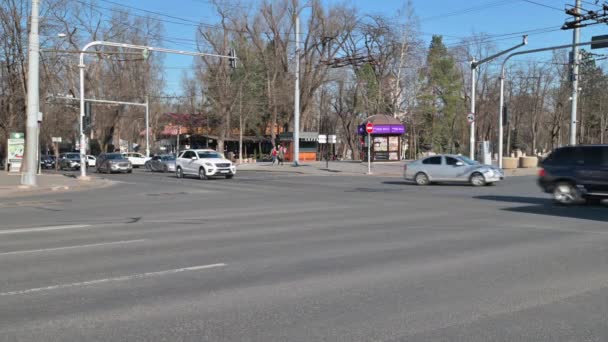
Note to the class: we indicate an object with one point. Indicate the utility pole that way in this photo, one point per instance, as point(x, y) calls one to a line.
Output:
point(296, 105)
point(33, 97)
point(575, 61)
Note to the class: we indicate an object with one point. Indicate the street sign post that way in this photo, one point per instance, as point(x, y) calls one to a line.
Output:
point(369, 128)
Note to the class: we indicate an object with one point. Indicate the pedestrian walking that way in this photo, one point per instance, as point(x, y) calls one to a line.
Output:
point(274, 154)
point(281, 155)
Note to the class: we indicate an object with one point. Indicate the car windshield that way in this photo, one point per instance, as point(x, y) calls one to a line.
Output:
point(114, 156)
point(209, 154)
point(73, 156)
point(467, 160)
point(167, 158)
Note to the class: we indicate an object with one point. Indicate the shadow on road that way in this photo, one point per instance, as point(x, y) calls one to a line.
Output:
point(543, 206)
point(454, 184)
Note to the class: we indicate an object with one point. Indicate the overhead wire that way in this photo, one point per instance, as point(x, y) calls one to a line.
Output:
point(543, 5)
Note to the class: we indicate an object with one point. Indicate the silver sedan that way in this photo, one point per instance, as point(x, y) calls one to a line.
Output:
point(162, 163)
point(113, 162)
point(451, 168)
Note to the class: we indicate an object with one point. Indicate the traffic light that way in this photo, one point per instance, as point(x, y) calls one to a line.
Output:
point(232, 58)
point(86, 120)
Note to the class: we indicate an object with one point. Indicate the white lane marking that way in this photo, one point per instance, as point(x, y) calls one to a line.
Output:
point(72, 247)
point(108, 280)
point(43, 229)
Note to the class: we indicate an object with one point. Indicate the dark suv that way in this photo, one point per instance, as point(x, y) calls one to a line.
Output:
point(576, 173)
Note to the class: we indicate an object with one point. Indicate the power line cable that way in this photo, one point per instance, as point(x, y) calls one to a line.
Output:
point(543, 5)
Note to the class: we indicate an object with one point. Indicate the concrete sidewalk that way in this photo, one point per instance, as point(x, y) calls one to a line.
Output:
point(336, 168)
point(10, 184)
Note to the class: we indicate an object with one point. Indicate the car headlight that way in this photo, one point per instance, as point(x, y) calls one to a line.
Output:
point(209, 164)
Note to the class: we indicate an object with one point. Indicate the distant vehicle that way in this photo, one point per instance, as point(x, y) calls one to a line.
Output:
point(204, 164)
point(113, 162)
point(69, 161)
point(451, 168)
point(137, 159)
point(91, 161)
point(162, 163)
point(47, 162)
point(575, 174)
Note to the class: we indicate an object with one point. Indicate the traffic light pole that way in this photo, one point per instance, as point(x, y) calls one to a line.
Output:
point(146, 50)
point(502, 81)
point(145, 104)
point(474, 66)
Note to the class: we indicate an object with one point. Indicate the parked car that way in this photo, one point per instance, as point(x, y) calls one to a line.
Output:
point(162, 163)
point(137, 159)
point(204, 164)
point(451, 168)
point(574, 174)
point(47, 162)
point(69, 161)
point(91, 160)
point(113, 162)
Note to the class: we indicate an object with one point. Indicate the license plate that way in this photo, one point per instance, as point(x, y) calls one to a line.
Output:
point(224, 171)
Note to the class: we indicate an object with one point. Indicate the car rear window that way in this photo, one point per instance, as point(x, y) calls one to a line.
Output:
point(580, 155)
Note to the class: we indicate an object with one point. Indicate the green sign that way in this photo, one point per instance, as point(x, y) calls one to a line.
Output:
point(15, 135)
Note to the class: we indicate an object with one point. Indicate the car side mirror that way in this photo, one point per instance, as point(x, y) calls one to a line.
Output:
point(193, 158)
point(459, 163)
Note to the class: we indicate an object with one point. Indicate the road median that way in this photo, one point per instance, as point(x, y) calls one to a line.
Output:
point(10, 185)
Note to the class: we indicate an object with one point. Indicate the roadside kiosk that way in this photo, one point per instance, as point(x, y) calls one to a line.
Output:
point(386, 136)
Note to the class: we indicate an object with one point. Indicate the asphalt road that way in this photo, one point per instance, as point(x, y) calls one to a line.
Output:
point(287, 257)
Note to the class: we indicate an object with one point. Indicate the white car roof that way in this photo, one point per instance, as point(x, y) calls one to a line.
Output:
point(203, 150)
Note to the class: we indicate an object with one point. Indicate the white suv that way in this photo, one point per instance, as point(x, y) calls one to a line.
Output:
point(136, 159)
point(204, 164)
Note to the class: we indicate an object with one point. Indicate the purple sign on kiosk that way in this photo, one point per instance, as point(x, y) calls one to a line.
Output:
point(383, 129)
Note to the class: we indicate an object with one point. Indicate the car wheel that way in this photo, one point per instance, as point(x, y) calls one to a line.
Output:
point(179, 173)
point(130, 171)
point(202, 174)
point(566, 194)
point(421, 179)
point(229, 176)
point(165, 168)
point(477, 179)
point(148, 167)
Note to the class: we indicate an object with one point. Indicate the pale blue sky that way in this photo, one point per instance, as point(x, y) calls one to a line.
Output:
point(452, 18)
